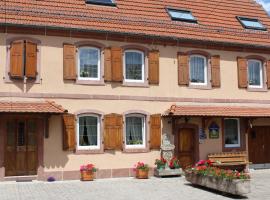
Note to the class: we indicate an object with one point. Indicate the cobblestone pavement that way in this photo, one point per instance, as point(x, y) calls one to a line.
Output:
point(127, 189)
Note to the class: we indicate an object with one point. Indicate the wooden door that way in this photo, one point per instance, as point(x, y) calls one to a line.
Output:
point(258, 145)
point(186, 147)
point(21, 147)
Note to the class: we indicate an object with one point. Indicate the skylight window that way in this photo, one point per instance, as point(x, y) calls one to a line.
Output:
point(101, 2)
point(251, 23)
point(181, 15)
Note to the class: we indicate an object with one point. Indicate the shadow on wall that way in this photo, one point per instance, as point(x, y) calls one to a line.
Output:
point(54, 156)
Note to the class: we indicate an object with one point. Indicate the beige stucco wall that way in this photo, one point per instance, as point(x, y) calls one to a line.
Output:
point(52, 73)
point(55, 159)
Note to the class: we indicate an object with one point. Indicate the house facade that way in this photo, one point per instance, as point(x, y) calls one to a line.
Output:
point(101, 81)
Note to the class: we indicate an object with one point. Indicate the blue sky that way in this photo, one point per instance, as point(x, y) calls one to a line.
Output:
point(266, 4)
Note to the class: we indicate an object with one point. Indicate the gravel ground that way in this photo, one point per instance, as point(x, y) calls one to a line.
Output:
point(128, 189)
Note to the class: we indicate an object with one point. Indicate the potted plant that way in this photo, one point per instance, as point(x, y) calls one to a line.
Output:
point(228, 181)
point(161, 163)
point(141, 170)
point(87, 172)
point(174, 163)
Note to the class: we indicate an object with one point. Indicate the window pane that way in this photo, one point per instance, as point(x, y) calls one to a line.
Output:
point(231, 131)
point(252, 23)
point(197, 69)
point(134, 65)
point(88, 131)
point(181, 15)
point(254, 72)
point(134, 130)
point(89, 63)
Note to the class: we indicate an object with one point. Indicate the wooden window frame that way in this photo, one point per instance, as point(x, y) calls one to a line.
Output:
point(7, 78)
point(98, 146)
point(79, 78)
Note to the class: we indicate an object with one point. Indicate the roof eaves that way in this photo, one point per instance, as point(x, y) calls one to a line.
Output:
point(151, 36)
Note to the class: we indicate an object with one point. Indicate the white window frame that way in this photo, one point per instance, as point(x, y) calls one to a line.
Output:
point(261, 74)
point(239, 135)
point(98, 133)
point(143, 67)
point(78, 66)
point(205, 70)
point(137, 146)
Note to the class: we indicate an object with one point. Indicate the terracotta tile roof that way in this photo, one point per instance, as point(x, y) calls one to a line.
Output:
point(216, 18)
point(218, 111)
point(31, 107)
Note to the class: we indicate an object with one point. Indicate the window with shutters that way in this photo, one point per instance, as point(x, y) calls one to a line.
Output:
point(255, 74)
point(135, 131)
point(23, 60)
point(88, 132)
point(134, 66)
point(198, 70)
point(89, 63)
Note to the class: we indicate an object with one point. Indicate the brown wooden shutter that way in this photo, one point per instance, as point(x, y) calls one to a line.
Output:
point(69, 132)
point(17, 59)
point(113, 132)
point(31, 59)
point(70, 72)
point(242, 72)
point(155, 131)
point(107, 64)
point(153, 73)
point(215, 70)
point(183, 69)
point(117, 64)
point(268, 73)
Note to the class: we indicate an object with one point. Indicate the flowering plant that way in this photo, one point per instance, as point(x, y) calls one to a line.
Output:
point(88, 167)
point(205, 168)
point(160, 163)
point(141, 166)
point(174, 163)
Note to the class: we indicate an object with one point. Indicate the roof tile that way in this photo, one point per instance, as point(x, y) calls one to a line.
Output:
point(217, 19)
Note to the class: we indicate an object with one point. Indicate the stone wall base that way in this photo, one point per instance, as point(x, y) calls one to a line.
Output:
point(100, 174)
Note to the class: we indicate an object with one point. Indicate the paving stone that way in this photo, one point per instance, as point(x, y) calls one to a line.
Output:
point(127, 189)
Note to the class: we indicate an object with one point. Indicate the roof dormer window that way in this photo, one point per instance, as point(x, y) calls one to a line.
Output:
point(181, 15)
point(101, 2)
point(251, 23)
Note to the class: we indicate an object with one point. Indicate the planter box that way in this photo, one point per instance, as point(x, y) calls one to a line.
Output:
point(87, 176)
point(167, 172)
point(235, 187)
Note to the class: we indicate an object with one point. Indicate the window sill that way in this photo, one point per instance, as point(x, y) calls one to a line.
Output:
point(229, 149)
point(257, 89)
point(201, 87)
point(90, 151)
point(135, 84)
point(130, 150)
point(20, 80)
point(90, 82)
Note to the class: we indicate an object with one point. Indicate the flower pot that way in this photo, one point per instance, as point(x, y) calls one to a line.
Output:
point(87, 175)
point(142, 174)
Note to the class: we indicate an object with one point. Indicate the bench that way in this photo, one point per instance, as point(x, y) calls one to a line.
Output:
point(230, 160)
